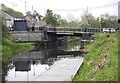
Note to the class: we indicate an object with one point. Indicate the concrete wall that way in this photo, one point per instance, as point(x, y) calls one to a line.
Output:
point(27, 37)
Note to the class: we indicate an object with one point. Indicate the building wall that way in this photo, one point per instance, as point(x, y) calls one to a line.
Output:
point(9, 20)
point(34, 22)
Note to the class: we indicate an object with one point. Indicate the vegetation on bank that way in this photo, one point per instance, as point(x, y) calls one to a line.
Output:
point(8, 47)
point(101, 62)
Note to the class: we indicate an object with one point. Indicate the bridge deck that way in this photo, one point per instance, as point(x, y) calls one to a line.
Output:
point(62, 70)
point(35, 36)
point(27, 37)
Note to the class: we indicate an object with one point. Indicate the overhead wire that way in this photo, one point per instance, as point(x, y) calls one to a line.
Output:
point(9, 2)
point(81, 9)
point(74, 10)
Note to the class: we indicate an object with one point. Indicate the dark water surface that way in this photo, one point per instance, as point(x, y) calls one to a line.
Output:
point(29, 65)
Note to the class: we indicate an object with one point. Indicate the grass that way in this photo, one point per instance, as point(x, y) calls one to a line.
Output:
point(9, 48)
point(101, 62)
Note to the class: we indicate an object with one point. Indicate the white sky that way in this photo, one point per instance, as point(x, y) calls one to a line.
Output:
point(74, 8)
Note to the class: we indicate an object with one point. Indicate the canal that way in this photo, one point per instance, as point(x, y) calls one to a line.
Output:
point(26, 66)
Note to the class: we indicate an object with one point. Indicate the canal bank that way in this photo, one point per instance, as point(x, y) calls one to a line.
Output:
point(9, 48)
point(101, 62)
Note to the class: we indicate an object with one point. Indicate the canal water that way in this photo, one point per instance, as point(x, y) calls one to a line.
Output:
point(26, 66)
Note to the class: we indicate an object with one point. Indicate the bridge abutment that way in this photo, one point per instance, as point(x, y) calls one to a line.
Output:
point(85, 39)
point(52, 42)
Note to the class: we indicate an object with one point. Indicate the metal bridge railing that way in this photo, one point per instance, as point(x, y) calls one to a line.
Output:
point(54, 29)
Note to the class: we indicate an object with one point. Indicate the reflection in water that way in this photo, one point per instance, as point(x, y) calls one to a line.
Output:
point(22, 65)
point(22, 72)
point(27, 66)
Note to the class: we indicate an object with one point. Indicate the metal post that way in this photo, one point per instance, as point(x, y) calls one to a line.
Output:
point(100, 24)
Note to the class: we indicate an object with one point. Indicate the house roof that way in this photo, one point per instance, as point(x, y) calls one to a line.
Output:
point(13, 14)
point(32, 15)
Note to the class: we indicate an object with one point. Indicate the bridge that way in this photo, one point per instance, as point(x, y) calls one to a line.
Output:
point(48, 34)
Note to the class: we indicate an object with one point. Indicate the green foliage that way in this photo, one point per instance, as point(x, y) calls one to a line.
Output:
point(108, 21)
point(88, 20)
point(51, 19)
point(63, 23)
point(8, 48)
point(3, 29)
point(0, 29)
point(19, 14)
point(107, 72)
point(10, 10)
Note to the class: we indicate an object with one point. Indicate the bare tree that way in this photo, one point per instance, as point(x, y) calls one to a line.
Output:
point(71, 17)
point(88, 20)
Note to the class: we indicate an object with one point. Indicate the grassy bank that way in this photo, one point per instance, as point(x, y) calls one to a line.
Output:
point(9, 48)
point(101, 62)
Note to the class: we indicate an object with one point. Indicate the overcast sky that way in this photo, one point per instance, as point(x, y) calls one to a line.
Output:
point(65, 7)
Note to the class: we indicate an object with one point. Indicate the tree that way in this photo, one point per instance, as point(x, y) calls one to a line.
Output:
point(52, 19)
point(108, 21)
point(3, 28)
point(10, 10)
point(63, 22)
point(71, 18)
point(88, 20)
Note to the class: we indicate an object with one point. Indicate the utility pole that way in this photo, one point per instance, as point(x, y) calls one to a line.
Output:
point(87, 16)
point(25, 7)
point(13, 11)
point(99, 20)
point(87, 20)
point(32, 8)
point(44, 11)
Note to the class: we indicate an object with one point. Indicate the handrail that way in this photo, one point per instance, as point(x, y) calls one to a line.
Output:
point(64, 30)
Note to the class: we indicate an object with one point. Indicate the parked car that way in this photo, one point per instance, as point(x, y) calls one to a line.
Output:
point(106, 30)
point(111, 30)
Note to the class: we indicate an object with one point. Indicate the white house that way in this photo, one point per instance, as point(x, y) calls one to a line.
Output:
point(9, 18)
point(35, 20)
